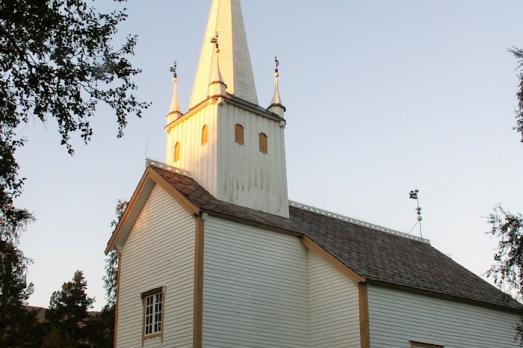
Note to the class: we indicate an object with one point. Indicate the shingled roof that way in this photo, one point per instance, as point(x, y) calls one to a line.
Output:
point(381, 258)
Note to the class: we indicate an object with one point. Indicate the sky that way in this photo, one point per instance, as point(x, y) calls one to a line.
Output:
point(382, 97)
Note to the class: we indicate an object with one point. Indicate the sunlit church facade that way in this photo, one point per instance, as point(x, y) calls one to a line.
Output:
point(212, 253)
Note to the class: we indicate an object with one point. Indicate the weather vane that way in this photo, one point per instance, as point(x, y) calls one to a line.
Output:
point(215, 41)
point(414, 195)
point(277, 64)
point(174, 69)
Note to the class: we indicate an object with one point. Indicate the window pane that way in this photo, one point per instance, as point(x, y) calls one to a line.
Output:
point(153, 314)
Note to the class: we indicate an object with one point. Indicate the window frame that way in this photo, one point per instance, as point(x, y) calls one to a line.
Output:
point(153, 295)
point(239, 134)
point(263, 143)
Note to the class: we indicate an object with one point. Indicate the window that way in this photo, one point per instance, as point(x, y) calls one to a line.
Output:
point(264, 147)
point(238, 134)
point(177, 152)
point(423, 345)
point(153, 313)
point(204, 134)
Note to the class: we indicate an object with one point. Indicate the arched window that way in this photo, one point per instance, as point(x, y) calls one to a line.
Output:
point(264, 146)
point(177, 152)
point(205, 131)
point(238, 134)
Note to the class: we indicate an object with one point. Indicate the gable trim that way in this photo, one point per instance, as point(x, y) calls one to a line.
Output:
point(149, 179)
point(178, 197)
point(333, 261)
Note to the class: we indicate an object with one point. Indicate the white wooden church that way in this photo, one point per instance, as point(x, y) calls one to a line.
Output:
point(213, 254)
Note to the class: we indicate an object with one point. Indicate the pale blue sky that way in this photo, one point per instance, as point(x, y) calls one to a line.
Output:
point(382, 96)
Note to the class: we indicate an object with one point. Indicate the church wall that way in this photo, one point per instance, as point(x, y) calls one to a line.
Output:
point(197, 158)
point(397, 317)
point(255, 287)
point(334, 306)
point(159, 252)
point(248, 177)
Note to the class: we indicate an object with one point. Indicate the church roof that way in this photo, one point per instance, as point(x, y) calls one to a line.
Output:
point(379, 257)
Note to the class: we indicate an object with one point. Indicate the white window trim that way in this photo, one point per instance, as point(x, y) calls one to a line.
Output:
point(153, 303)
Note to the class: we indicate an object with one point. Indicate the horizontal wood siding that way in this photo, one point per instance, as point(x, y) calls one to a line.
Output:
point(334, 309)
point(159, 252)
point(398, 317)
point(255, 287)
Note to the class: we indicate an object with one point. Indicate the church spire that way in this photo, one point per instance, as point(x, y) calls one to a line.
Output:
point(276, 104)
point(235, 63)
point(174, 110)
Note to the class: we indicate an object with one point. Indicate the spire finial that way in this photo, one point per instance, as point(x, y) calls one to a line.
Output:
point(276, 104)
point(215, 40)
point(217, 87)
point(174, 110)
point(174, 70)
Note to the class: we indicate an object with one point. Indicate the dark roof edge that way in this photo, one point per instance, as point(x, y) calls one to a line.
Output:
point(442, 296)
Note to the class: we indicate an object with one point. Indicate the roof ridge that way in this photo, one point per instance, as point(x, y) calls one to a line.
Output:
point(355, 221)
point(152, 163)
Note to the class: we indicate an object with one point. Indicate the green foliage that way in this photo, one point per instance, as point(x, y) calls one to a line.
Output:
point(518, 53)
point(68, 309)
point(102, 328)
point(57, 62)
point(111, 263)
point(104, 323)
point(507, 270)
point(17, 326)
point(54, 339)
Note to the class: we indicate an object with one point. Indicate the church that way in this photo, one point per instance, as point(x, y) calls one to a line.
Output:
point(212, 253)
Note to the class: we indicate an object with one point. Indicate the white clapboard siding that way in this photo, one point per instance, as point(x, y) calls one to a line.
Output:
point(159, 252)
point(255, 287)
point(334, 306)
point(397, 317)
point(197, 158)
point(246, 176)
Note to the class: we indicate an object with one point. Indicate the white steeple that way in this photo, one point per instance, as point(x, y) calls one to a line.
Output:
point(235, 63)
point(174, 110)
point(231, 146)
point(276, 104)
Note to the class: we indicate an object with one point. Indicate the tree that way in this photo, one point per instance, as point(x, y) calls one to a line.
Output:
point(57, 62)
point(54, 339)
point(17, 326)
point(518, 53)
point(111, 264)
point(103, 325)
point(68, 310)
point(507, 270)
point(507, 227)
